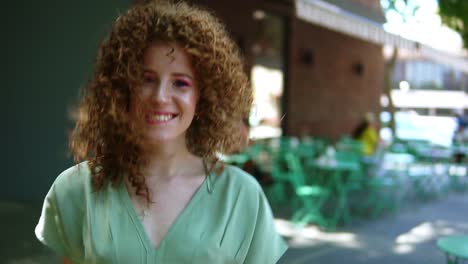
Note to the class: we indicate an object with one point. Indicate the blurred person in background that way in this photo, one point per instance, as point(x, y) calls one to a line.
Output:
point(460, 136)
point(366, 133)
point(462, 122)
point(165, 99)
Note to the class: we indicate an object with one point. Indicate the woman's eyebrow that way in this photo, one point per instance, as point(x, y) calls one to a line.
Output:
point(181, 74)
point(176, 74)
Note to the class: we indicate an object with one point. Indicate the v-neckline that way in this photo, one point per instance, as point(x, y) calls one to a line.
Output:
point(144, 236)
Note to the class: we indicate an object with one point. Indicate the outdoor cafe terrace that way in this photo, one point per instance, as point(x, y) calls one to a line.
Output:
point(312, 181)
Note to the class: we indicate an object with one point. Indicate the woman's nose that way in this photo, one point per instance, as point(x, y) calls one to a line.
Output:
point(162, 93)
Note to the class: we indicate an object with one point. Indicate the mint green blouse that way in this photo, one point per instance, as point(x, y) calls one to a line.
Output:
point(228, 220)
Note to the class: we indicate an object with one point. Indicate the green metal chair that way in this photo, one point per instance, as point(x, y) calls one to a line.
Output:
point(381, 195)
point(278, 191)
point(426, 184)
point(341, 174)
point(381, 187)
point(308, 199)
point(355, 180)
point(350, 145)
point(458, 177)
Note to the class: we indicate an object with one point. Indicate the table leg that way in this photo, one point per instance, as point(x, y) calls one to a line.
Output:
point(451, 259)
point(342, 210)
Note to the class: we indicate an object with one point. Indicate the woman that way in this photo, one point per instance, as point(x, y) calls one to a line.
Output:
point(165, 100)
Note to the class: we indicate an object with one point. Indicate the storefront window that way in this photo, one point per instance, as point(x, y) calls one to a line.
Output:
point(267, 75)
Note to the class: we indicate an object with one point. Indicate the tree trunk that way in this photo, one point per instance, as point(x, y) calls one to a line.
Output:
point(388, 89)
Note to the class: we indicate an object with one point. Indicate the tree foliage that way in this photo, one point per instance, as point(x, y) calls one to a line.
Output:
point(405, 8)
point(454, 14)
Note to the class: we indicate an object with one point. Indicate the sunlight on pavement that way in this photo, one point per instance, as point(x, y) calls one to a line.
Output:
point(422, 233)
point(305, 236)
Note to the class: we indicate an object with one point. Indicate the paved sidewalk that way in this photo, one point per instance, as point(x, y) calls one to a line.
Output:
point(408, 236)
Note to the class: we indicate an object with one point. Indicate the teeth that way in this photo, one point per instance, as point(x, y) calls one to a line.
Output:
point(162, 117)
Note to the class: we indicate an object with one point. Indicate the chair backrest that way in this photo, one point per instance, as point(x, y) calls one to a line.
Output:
point(349, 144)
point(307, 150)
point(347, 156)
point(295, 170)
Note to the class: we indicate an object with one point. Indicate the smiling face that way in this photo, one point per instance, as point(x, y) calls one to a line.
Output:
point(167, 99)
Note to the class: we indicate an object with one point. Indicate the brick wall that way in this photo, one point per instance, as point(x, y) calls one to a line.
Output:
point(328, 96)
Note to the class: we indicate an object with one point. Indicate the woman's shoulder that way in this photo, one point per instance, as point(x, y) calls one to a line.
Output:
point(73, 182)
point(61, 222)
point(235, 177)
point(240, 173)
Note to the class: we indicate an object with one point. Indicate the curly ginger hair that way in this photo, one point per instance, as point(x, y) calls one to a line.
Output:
point(105, 134)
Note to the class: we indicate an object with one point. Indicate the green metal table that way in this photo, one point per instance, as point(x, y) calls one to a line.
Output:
point(337, 175)
point(454, 247)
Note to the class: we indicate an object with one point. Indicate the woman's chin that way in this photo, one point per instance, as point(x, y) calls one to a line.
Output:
point(161, 139)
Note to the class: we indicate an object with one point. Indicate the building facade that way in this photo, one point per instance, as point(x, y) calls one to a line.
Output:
point(328, 79)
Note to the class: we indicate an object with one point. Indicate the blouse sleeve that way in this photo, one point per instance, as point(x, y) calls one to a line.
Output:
point(49, 230)
point(266, 246)
point(59, 224)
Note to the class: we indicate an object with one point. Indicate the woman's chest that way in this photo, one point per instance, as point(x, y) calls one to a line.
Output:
point(191, 240)
point(162, 215)
point(198, 236)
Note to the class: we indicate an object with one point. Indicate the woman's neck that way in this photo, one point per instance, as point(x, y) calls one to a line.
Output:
point(170, 161)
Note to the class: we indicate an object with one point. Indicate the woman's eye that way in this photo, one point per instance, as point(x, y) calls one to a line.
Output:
point(181, 83)
point(147, 78)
